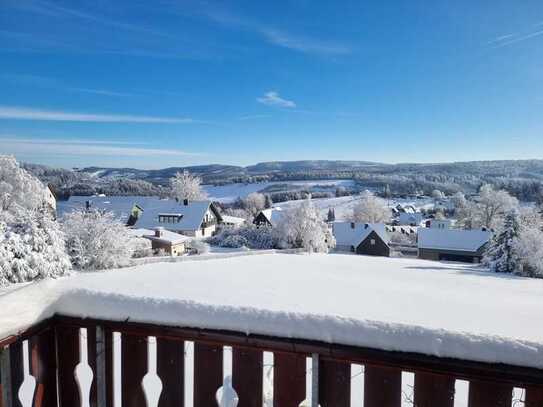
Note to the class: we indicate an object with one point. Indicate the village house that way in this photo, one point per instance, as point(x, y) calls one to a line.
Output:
point(362, 238)
point(268, 217)
point(452, 244)
point(232, 221)
point(410, 218)
point(439, 223)
point(171, 243)
point(190, 218)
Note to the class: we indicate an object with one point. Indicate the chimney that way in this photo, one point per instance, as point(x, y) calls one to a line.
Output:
point(185, 202)
point(159, 232)
point(352, 225)
point(366, 226)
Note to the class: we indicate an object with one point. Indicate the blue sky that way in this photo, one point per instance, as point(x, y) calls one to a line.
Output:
point(171, 83)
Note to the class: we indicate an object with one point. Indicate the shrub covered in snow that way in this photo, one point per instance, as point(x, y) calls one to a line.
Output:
point(140, 247)
point(303, 227)
point(199, 246)
point(18, 187)
point(31, 246)
point(249, 236)
point(96, 240)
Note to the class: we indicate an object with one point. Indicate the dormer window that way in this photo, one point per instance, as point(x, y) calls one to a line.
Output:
point(169, 218)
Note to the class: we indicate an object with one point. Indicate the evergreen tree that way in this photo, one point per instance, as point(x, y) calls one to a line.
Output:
point(331, 215)
point(268, 202)
point(502, 255)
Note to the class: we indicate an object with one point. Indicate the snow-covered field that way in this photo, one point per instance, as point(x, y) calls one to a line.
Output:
point(343, 206)
point(230, 192)
point(442, 309)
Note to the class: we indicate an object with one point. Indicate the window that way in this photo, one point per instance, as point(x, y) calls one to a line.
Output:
point(372, 242)
point(169, 218)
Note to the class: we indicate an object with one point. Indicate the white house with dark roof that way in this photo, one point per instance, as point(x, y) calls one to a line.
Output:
point(452, 244)
point(362, 238)
point(268, 217)
point(190, 218)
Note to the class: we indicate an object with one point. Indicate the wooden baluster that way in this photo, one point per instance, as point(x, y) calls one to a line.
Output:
point(170, 369)
point(334, 383)
point(43, 368)
point(133, 368)
point(11, 365)
point(207, 373)
point(382, 387)
point(534, 397)
point(68, 359)
point(247, 376)
point(106, 356)
point(288, 379)
point(433, 390)
point(488, 394)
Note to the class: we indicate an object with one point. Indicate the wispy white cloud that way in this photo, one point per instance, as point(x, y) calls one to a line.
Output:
point(275, 36)
point(302, 44)
point(81, 147)
point(509, 39)
point(253, 116)
point(53, 83)
point(24, 113)
point(272, 98)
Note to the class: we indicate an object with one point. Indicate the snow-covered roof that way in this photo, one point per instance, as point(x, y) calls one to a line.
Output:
point(167, 237)
point(392, 304)
point(346, 235)
point(121, 206)
point(273, 215)
point(452, 239)
point(191, 215)
point(234, 220)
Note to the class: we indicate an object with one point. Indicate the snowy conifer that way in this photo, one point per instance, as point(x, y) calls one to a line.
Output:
point(502, 255)
point(331, 217)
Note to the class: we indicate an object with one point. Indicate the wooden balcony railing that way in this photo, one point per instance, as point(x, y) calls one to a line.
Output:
point(55, 360)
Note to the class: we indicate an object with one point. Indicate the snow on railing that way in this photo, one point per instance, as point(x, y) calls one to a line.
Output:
point(76, 362)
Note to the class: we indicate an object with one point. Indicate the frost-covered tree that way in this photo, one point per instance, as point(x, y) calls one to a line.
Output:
point(371, 209)
point(437, 194)
point(96, 240)
point(31, 247)
point(187, 186)
point(458, 200)
point(501, 255)
point(529, 247)
point(493, 205)
point(199, 246)
point(18, 187)
point(303, 227)
point(254, 203)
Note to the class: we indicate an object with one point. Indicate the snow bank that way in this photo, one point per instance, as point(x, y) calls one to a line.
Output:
point(441, 309)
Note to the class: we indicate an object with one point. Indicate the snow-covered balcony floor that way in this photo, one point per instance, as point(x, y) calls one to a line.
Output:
point(440, 309)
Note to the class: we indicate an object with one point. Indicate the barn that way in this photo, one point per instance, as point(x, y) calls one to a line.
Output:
point(452, 244)
point(362, 238)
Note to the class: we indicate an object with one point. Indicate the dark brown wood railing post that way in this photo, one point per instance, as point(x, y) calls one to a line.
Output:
point(489, 394)
point(534, 397)
point(433, 390)
point(11, 366)
point(68, 355)
point(247, 375)
point(100, 356)
point(289, 372)
point(170, 369)
point(334, 383)
point(43, 368)
point(133, 367)
point(382, 387)
point(207, 374)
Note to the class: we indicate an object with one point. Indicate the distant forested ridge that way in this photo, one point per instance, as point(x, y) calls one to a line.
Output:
point(522, 178)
